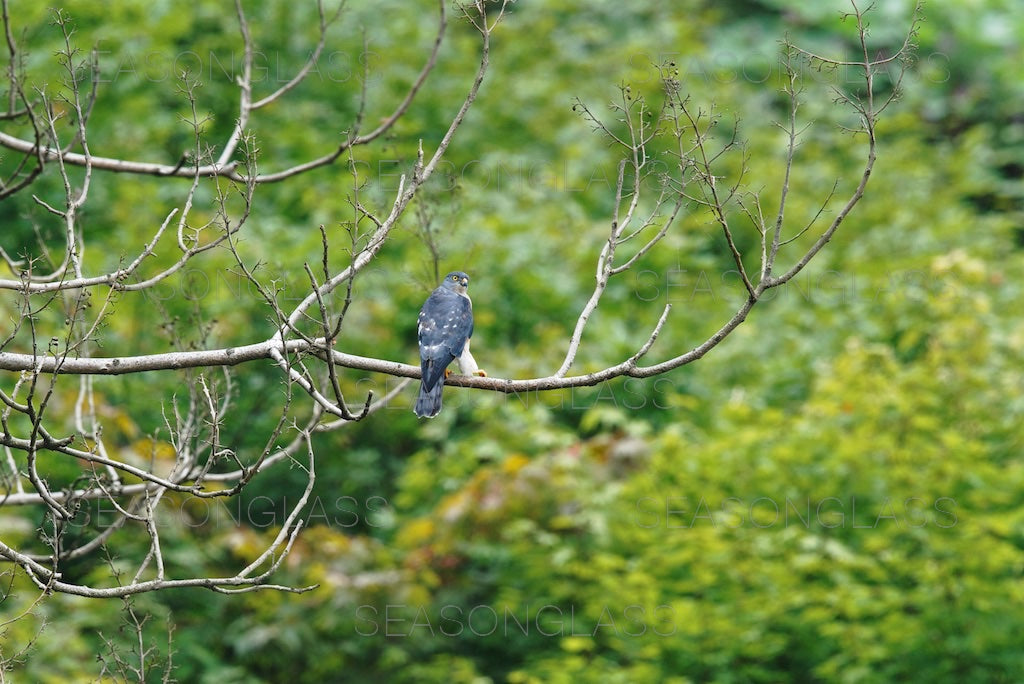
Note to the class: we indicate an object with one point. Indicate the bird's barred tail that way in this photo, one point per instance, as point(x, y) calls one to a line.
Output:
point(428, 403)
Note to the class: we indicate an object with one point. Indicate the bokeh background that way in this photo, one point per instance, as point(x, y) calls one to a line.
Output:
point(835, 493)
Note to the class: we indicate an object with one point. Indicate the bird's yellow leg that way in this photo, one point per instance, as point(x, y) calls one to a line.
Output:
point(479, 371)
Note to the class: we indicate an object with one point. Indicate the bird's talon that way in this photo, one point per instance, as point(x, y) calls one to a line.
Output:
point(447, 373)
point(481, 372)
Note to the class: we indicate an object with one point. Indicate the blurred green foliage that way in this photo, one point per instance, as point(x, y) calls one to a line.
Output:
point(836, 493)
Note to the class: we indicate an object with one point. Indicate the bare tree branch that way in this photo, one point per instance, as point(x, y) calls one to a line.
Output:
point(230, 169)
point(305, 350)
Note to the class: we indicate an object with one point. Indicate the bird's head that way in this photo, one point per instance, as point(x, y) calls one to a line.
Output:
point(456, 280)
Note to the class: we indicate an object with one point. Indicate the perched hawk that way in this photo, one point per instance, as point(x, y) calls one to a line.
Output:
point(445, 326)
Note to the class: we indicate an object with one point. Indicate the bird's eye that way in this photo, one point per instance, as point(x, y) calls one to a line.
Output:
point(455, 277)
